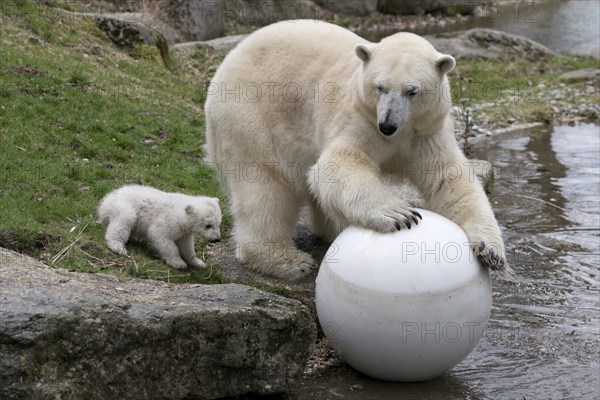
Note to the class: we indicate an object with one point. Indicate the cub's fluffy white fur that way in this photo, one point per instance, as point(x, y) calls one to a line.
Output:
point(168, 221)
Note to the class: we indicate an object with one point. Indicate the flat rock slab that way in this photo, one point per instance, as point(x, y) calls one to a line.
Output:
point(93, 336)
point(489, 43)
point(587, 74)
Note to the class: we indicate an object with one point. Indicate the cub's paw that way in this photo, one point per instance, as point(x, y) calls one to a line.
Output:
point(176, 263)
point(492, 256)
point(196, 262)
point(393, 216)
point(117, 247)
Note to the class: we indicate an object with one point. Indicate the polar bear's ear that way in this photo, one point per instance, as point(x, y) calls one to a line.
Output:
point(189, 209)
point(445, 63)
point(363, 51)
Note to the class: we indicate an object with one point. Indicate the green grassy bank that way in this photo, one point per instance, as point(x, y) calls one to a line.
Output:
point(79, 117)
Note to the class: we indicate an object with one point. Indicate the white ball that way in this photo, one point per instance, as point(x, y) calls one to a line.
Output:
point(404, 306)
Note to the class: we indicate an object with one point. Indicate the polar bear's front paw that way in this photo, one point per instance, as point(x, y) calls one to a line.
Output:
point(196, 262)
point(176, 263)
point(297, 267)
point(491, 256)
point(393, 217)
point(117, 247)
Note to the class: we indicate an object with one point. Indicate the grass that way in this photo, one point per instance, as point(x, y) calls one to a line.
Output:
point(79, 118)
point(511, 88)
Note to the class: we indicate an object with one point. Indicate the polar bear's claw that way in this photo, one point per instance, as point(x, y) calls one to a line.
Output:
point(391, 217)
point(489, 256)
point(284, 262)
point(309, 269)
point(296, 268)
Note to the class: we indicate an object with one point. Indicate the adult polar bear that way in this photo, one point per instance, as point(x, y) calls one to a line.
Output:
point(314, 97)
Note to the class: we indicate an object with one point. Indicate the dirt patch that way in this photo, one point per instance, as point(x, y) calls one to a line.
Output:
point(26, 241)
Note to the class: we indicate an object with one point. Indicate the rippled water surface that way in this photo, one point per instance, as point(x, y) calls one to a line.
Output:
point(543, 337)
point(569, 26)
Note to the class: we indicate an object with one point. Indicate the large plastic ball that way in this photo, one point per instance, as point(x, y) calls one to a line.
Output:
point(403, 306)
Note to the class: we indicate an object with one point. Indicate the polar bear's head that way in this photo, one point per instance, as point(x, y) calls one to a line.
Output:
point(204, 218)
point(403, 82)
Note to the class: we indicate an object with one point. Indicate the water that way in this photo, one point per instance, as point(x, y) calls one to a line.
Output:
point(543, 336)
point(569, 26)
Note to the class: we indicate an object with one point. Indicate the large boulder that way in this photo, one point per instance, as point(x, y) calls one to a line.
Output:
point(489, 43)
point(91, 336)
point(129, 30)
point(350, 7)
point(176, 20)
point(417, 7)
point(195, 20)
point(265, 12)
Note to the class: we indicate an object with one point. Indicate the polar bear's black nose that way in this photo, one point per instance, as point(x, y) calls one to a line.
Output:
point(215, 240)
point(387, 129)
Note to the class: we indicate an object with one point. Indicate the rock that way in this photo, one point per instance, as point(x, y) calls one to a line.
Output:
point(488, 43)
point(126, 33)
point(350, 7)
point(590, 52)
point(143, 27)
point(416, 7)
point(518, 127)
point(127, 30)
point(261, 12)
point(223, 44)
point(587, 74)
point(92, 336)
point(195, 20)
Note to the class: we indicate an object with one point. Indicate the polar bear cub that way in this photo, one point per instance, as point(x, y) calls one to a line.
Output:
point(168, 221)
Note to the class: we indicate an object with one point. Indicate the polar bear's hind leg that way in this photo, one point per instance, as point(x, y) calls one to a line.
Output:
point(118, 231)
point(266, 215)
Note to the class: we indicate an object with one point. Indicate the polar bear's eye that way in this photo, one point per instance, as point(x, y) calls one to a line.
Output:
point(381, 89)
point(209, 226)
point(413, 90)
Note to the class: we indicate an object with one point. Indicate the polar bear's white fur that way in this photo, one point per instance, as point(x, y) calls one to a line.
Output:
point(168, 221)
point(308, 112)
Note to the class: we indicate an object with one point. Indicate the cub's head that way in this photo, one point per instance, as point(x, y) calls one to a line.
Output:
point(403, 82)
point(204, 217)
